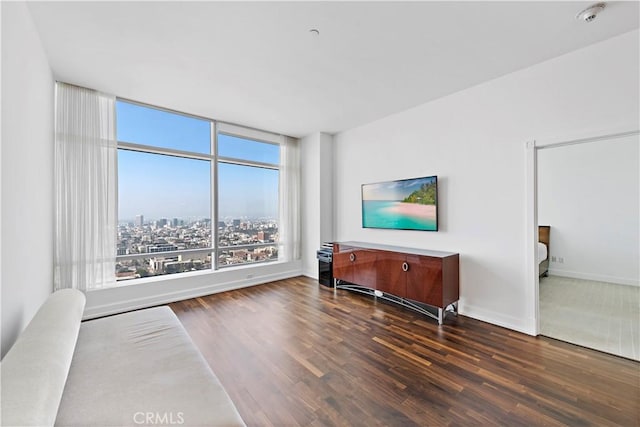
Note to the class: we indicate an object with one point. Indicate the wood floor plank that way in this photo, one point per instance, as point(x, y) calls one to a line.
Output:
point(293, 353)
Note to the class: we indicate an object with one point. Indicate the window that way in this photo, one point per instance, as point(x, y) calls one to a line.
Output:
point(182, 208)
point(140, 124)
point(248, 175)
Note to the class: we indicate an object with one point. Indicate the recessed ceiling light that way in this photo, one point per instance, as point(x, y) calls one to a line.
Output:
point(590, 13)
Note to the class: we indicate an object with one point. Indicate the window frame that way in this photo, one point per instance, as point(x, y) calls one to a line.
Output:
point(230, 130)
point(215, 128)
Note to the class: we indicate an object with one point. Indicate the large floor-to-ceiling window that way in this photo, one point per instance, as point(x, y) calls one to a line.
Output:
point(247, 196)
point(193, 194)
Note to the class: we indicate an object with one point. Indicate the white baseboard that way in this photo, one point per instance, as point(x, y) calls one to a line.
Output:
point(519, 324)
point(594, 277)
point(311, 273)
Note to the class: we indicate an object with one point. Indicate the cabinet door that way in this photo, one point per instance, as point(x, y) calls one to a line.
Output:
point(342, 266)
point(391, 276)
point(364, 267)
point(424, 279)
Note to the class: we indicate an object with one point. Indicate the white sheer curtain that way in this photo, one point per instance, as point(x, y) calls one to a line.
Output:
point(289, 199)
point(85, 188)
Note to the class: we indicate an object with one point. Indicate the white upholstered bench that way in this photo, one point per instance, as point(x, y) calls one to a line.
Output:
point(132, 369)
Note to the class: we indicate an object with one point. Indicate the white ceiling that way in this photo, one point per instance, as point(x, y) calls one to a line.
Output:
point(257, 64)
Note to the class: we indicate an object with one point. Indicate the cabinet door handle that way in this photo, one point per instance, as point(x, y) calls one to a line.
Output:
point(405, 266)
point(352, 257)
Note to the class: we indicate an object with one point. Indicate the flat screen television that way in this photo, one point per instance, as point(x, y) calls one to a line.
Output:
point(405, 204)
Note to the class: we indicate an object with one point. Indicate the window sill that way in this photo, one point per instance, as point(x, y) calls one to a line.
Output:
point(159, 290)
point(177, 276)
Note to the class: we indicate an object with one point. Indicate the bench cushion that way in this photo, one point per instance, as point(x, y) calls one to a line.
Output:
point(35, 368)
point(142, 368)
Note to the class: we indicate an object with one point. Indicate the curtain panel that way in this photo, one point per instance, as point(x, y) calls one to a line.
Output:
point(289, 199)
point(85, 188)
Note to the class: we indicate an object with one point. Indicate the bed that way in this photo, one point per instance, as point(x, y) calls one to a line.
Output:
point(543, 249)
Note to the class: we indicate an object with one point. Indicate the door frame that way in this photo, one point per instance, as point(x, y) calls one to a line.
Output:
point(531, 204)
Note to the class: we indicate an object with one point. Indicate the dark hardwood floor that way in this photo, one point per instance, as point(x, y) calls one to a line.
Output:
point(295, 353)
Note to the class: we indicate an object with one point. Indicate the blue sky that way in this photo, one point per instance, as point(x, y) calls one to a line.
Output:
point(171, 187)
point(393, 190)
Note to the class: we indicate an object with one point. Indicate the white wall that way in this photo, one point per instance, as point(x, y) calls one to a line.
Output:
point(326, 188)
point(27, 172)
point(316, 164)
point(474, 141)
point(309, 201)
point(589, 194)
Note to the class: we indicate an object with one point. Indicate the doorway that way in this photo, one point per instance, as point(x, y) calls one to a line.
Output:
point(587, 192)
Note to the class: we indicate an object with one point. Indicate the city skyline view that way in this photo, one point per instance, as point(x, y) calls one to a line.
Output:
point(159, 245)
point(148, 220)
point(166, 188)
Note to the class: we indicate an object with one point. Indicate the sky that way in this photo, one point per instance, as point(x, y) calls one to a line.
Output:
point(393, 190)
point(159, 186)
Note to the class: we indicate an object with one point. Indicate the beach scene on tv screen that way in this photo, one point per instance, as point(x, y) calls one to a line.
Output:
point(407, 204)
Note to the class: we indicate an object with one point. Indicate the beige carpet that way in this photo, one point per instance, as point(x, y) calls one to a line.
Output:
point(599, 315)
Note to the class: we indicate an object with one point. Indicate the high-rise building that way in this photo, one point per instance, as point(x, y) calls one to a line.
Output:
point(236, 223)
point(163, 247)
point(175, 222)
point(139, 220)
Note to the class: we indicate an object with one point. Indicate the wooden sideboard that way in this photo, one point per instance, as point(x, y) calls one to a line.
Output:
point(411, 277)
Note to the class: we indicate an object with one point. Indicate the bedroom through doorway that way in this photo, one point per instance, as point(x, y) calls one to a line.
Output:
point(588, 196)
